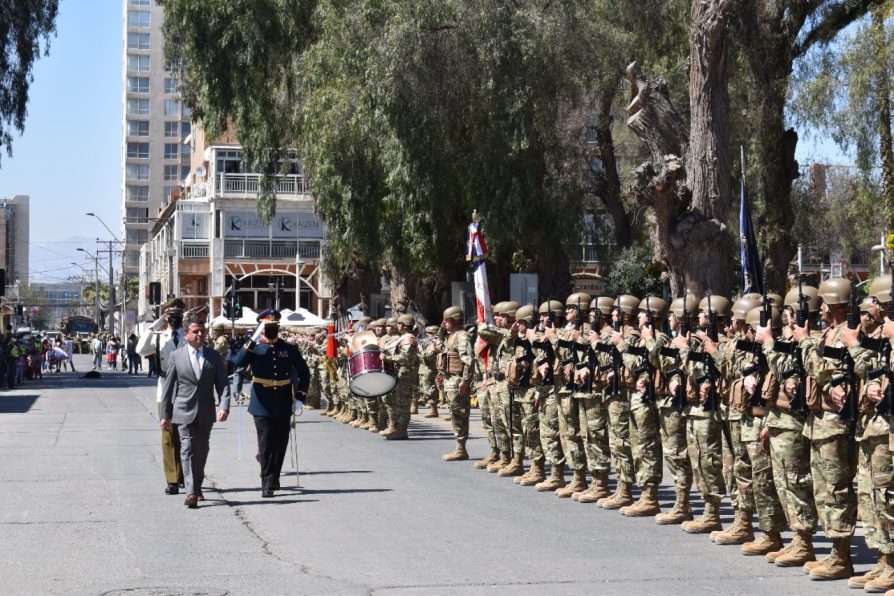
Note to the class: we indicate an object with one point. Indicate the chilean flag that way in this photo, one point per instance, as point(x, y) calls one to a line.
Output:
point(476, 252)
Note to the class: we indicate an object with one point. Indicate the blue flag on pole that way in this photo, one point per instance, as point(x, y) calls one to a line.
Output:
point(753, 278)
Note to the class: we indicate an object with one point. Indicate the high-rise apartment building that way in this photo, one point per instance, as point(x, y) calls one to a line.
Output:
point(154, 158)
point(14, 238)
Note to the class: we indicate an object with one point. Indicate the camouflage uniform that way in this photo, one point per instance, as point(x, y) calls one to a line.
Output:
point(496, 386)
point(459, 344)
point(570, 338)
point(404, 353)
point(550, 434)
point(526, 394)
point(428, 373)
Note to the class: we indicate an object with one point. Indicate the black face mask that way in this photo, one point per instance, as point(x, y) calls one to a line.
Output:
point(175, 321)
point(271, 331)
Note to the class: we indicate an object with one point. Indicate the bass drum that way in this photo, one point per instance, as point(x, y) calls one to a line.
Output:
point(369, 375)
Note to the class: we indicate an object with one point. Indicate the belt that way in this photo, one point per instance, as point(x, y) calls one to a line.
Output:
point(272, 383)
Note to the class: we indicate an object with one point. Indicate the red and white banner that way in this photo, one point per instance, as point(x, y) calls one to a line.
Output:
point(476, 252)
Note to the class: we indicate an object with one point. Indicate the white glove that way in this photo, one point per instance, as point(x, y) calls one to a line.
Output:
point(298, 406)
point(159, 324)
point(259, 332)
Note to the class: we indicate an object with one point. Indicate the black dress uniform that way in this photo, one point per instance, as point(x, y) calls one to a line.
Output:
point(279, 373)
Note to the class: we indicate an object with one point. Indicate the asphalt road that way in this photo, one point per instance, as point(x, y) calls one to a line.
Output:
point(83, 513)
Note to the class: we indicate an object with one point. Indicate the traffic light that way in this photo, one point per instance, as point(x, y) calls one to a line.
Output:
point(154, 293)
point(20, 310)
point(227, 310)
point(237, 314)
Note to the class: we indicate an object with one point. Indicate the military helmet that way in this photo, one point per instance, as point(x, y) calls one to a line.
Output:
point(579, 299)
point(776, 300)
point(745, 304)
point(880, 288)
point(813, 299)
point(453, 312)
point(627, 303)
point(525, 313)
point(720, 306)
point(432, 329)
point(835, 290)
point(391, 322)
point(657, 306)
point(497, 309)
point(866, 304)
point(604, 304)
point(690, 301)
point(378, 323)
point(510, 308)
point(365, 321)
point(551, 307)
point(407, 320)
point(753, 317)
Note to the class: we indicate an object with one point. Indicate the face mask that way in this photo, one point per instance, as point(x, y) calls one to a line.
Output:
point(271, 331)
point(175, 321)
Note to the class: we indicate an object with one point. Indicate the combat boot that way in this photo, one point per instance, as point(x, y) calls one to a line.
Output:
point(536, 474)
point(883, 583)
point(738, 534)
point(620, 498)
point(388, 431)
point(769, 542)
point(399, 434)
point(859, 581)
point(448, 417)
point(514, 468)
point(578, 483)
point(555, 481)
point(414, 407)
point(647, 506)
point(680, 512)
point(598, 489)
point(359, 421)
point(484, 462)
point(495, 466)
point(837, 565)
point(798, 553)
point(458, 454)
point(433, 413)
point(709, 520)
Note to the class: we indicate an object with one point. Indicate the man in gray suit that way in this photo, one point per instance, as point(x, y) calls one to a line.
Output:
point(193, 374)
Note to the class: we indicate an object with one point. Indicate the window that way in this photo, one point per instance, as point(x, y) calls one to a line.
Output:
point(138, 2)
point(184, 172)
point(138, 19)
point(185, 150)
point(171, 151)
point(137, 128)
point(168, 191)
point(138, 84)
point(138, 63)
point(138, 150)
point(172, 85)
point(138, 194)
point(137, 41)
point(135, 171)
point(172, 107)
point(171, 173)
point(185, 129)
point(137, 215)
point(133, 258)
point(137, 107)
point(137, 236)
point(172, 130)
point(186, 112)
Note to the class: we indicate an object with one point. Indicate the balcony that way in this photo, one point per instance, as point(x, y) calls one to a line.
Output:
point(271, 249)
point(192, 250)
point(247, 186)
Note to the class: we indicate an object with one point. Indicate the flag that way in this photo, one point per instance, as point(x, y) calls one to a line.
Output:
point(753, 278)
point(476, 252)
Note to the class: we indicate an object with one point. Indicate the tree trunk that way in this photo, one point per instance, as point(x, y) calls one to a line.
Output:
point(611, 191)
point(886, 149)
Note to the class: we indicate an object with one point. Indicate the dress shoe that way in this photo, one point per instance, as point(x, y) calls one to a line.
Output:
point(200, 497)
point(276, 485)
point(191, 502)
point(172, 489)
point(181, 484)
point(266, 493)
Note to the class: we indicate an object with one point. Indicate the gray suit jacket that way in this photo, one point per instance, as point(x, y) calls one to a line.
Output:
point(184, 397)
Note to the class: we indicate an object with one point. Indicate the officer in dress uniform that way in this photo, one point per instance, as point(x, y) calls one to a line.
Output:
point(280, 381)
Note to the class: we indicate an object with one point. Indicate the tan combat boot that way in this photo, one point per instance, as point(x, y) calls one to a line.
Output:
point(769, 542)
point(388, 431)
point(859, 581)
point(360, 421)
point(883, 583)
point(709, 520)
point(515, 468)
point(433, 413)
point(457, 454)
point(798, 553)
point(598, 489)
point(738, 534)
point(775, 554)
point(493, 456)
point(621, 497)
point(398, 435)
point(647, 506)
point(837, 565)
point(414, 407)
point(578, 483)
point(680, 512)
point(495, 466)
point(536, 474)
point(555, 481)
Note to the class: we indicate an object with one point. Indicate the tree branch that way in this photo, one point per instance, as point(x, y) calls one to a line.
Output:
point(839, 16)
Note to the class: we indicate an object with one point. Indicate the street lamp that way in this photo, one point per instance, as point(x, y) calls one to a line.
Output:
point(96, 292)
point(111, 277)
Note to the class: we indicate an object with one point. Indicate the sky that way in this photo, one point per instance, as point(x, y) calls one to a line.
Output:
point(69, 158)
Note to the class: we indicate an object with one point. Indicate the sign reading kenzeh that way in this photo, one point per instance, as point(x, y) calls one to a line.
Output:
point(290, 224)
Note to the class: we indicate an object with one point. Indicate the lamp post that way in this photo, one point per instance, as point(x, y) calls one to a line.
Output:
point(123, 278)
point(96, 292)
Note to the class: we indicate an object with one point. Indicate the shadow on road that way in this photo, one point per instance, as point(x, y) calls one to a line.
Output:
point(16, 404)
point(319, 472)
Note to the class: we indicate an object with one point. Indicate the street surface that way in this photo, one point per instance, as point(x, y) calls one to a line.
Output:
point(84, 513)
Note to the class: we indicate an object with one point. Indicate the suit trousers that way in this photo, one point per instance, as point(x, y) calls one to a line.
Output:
point(194, 443)
point(170, 453)
point(273, 442)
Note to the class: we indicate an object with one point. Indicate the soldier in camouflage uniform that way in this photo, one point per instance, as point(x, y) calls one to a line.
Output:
point(428, 372)
point(522, 374)
point(312, 357)
point(550, 428)
point(484, 364)
point(704, 425)
point(789, 448)
point(833, 452)
point(403, 352)
point(455, 365)
point(571, 344)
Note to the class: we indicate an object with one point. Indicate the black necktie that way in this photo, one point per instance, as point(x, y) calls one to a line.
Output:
point(176, 339)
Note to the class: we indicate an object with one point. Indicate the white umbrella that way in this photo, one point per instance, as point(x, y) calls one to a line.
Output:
point(300, 318)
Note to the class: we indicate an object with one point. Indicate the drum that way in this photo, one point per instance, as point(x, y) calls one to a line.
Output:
point(363, 341)
point(370, 376)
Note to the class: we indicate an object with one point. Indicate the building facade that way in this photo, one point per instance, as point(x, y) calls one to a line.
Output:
point(14, 226)
point(154, 158)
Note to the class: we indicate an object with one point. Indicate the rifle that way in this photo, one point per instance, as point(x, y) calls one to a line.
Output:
point(548, 358)
point(799, 403)
point(883, 347)
point(843, 356)
point(686, 321)
point(803, 309)
point(712, 322)
point(650, 316)
point(524, 379)
point(766, 307)
point(853, 312)
point(618, 324)
point(569, 345)
point(679, 396)
point(645, 367)
point(615, 365)
point(760, 366)
point(712, 375)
